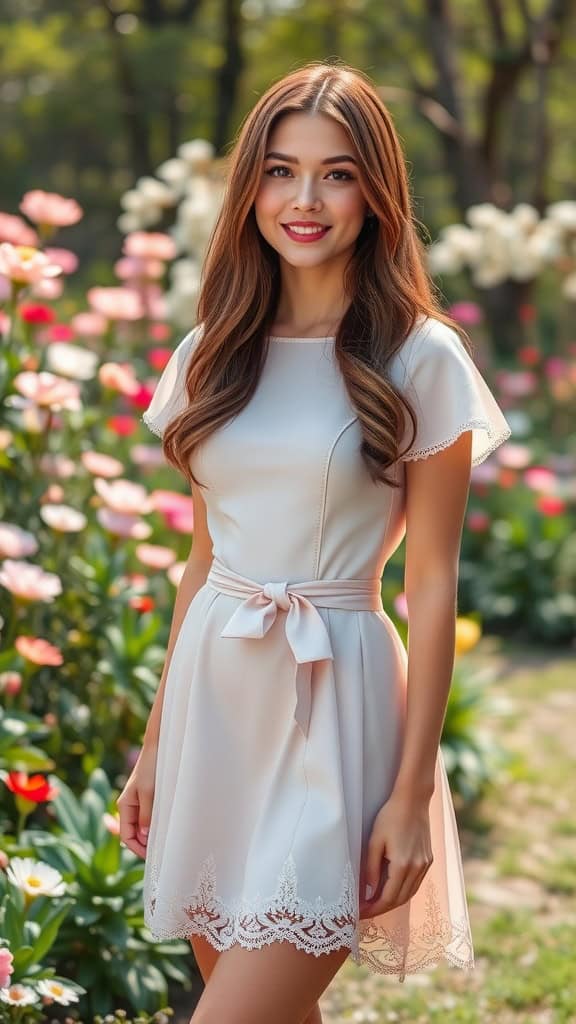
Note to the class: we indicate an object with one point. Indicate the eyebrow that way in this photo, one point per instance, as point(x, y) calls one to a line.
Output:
point(329, 160)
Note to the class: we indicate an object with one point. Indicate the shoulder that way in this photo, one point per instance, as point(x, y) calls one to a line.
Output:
point(429, 342)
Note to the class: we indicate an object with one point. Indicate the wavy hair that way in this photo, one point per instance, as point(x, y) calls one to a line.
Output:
point(386, 277)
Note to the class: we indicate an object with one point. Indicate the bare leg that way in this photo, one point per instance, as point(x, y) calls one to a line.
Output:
point(278, 982)
point(206, 957)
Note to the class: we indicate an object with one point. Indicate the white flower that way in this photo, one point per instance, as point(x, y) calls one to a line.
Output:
point(174, 172)
point(59, 993)
point(18, 995)
point(525, 215)
point(71, 360)
point(155, 191)
point(569, 287)
point(564, 213)
point(63, 518)
point(484, 215)
point(35, 878)
point(198, 154)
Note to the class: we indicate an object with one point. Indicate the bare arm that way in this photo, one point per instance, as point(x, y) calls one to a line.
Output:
point(437, 494)
point(193, 578)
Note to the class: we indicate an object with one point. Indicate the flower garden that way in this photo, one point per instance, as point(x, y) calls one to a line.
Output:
point(94, 532)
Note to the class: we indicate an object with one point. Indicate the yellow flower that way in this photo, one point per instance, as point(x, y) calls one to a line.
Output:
point(468, 633)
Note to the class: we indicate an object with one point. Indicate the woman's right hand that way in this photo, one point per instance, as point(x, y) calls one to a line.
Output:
point(135, 802)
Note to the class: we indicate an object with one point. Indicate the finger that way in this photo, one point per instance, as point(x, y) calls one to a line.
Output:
point(409, 887)
point(374, 856)
point(144, 815)
point(396, 876)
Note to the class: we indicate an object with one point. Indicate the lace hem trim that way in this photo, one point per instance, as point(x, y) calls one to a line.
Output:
point(495, 439)
point(313, 926)
point(151, 424)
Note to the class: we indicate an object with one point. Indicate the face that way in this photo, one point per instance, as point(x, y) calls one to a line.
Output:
point(303, 186)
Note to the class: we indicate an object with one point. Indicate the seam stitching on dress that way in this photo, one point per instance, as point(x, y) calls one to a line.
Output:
point(322, 506)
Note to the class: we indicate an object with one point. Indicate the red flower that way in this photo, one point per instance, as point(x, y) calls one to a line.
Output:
point(142, 602)
point(550, 505)
point(527, 313)
point(35, 788)
point(124, 426)
point(158, 357)
point(529, 355)
point(37, 314)
point(141, 398)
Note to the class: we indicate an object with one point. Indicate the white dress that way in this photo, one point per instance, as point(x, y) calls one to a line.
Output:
point(283, 715)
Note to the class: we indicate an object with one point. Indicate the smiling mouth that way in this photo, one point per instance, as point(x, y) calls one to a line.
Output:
point(303, 233)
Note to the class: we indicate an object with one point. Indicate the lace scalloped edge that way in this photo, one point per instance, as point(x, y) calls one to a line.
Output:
point(494, 441)
point(151, 424)
point(314, 927)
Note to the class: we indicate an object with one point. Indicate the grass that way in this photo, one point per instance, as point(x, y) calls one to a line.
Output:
point(519, 848)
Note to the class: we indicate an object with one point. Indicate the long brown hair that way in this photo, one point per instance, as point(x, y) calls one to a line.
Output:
point(386, 278)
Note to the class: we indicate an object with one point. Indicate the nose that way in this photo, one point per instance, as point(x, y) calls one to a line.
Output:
point(305, 198)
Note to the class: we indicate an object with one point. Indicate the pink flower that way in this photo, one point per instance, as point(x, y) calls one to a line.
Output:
point(550, 505)
point(168, 501)
point(6, 968)
point(38, 651)
point(119, 377)
point(517, 383)
point(514, 456)
point(89, 325)
point(16, 542)
point(100, 464)
point(58, 465)
point(111, 823)
point(129, 527)
point(49, 288)
point(63, 518)
point(469, 314)
point(23, 264)
point(155, 556)
point(123, 496)
point(401, 606)
point(50, 208)
point(53, 495)
point(63, 258)
point(539, 478)
point(131, 269)
point(29, 582)
point(487, 473)
point(160, 332)
point(175, 573)
point(555, 367)
point(150, 245)
point(116, 303)
point(478, 522)
point(180, 521)
point(16, 231)
point(60, 332)
point(10, 683)
point(46, 389)
point(148, 456)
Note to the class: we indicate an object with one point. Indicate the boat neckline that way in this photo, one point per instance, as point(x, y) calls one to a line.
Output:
point(281, 337)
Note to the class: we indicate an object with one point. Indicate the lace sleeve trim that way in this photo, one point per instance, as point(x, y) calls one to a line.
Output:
point(495, 439)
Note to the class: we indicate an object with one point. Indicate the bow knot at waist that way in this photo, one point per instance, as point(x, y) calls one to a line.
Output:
point(306, 632)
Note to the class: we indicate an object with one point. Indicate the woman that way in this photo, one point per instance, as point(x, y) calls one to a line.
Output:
point(291, 777)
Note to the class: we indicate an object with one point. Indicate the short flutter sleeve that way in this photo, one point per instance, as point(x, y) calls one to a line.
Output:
point(449, 396)
point(170, 398)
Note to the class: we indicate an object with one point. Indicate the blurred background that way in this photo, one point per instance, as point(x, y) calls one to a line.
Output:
point(116, 121)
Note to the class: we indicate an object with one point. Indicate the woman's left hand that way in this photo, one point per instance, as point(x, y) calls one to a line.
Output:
point(401, 837)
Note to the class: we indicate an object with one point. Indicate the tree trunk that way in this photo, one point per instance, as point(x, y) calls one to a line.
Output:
point(228, 77)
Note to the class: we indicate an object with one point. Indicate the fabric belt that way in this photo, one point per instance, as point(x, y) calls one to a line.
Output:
point(306, 632)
